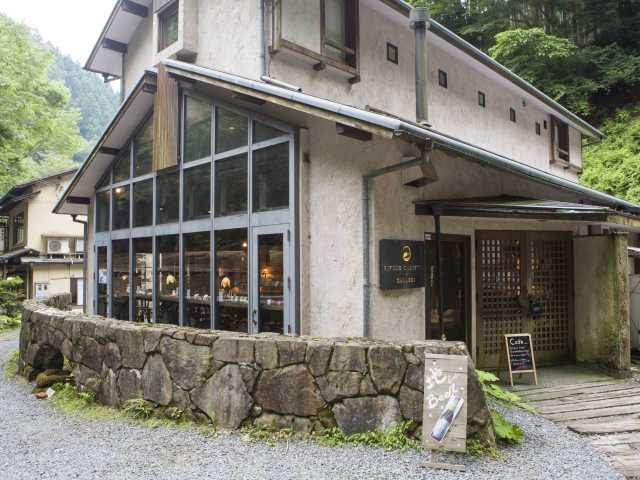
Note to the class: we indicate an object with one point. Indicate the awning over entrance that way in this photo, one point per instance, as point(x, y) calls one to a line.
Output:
point(526, 208)
point(17, 254)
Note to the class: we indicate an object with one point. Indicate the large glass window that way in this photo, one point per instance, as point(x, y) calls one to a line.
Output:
point(102, 299)
point(143, 281)
point(271, 178)
point(262, 132)
point(231, 185)
point(102, 211)
point(232, 280)
point(143, 203)
point(197, 130)
point(143, 148)
point(168, 280)
point(121, 206)
point(122, 167)
point(340, 30)
point(168, 197)
point(197, 280)
point(120, 279)
point(231, 130)
point(271, 283)
point(197, 192)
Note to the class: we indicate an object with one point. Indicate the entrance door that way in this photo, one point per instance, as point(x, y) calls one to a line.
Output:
point(272, 283)
point(524, 284)
point(41, 290)
point(455, 254)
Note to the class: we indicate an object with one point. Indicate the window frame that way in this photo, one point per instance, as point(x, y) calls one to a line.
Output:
point(482, 99)
point(170, 9)
point(560, 155)
point(284, 217)
point(393, 54)
point(18, 230)
point(352, 33)
point(513, 117)
point(443, 78)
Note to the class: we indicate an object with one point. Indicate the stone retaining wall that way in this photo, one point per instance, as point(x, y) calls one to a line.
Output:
point(270, 380)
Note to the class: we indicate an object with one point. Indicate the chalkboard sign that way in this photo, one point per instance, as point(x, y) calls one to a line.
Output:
point(518, 351)
point(401, 264)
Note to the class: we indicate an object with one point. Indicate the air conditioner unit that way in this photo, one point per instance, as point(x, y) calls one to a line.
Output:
point(58, 247)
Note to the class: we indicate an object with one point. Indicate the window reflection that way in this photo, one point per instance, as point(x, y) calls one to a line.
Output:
point(168, 195)
point(271, 283)
point(103, 282)
point(231, 280)
point(102, 211)
point(143, 203)
point(122, 168)
point(231, 130)
point(262, 132)
point(120, 207)
point(143, 280)
point(231, 186)
point(197, 192)
point(197, 280)
point(168, 270)
point(271, 178)
point(120, 279)
point(143, 145)
point(197, 130)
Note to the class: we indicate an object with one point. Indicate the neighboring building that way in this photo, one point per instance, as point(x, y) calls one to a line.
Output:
point(44, 249)
point(263, 153)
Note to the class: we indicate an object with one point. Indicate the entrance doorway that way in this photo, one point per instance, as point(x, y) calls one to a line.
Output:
point(456, 286)
point(524, 282)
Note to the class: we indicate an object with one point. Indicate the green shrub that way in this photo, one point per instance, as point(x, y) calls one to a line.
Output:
point(138, 408)
point(11, 365)
point(397, 437)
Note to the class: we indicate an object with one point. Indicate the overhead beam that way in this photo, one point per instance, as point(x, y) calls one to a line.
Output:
point(351, 132)
point(135, 8)
point(78, 200)
point(114, 45)
point(109, 151)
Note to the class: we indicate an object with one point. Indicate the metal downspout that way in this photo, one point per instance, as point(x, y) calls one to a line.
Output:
point(84, 262)
point(263, 39)
point(419, 22)
point(366, 263)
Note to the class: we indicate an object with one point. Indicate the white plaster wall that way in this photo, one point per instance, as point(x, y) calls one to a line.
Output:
point(57, 276)
point(139, 55)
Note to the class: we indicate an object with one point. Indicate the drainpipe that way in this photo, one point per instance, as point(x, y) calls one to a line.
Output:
point(263, 39)
point(84, 262)
point(366, 280)
point(419, 22)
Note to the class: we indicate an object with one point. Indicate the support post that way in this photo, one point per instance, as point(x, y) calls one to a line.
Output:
point(436, 218)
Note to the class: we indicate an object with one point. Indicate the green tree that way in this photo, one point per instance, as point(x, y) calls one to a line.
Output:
point(613, 166)
point(36, 122)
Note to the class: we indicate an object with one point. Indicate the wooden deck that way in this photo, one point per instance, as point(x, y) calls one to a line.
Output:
point(607, 412)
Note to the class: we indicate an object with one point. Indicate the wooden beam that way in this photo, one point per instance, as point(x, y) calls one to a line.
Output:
point(135, 8)
point(165, 121)
point(248, 98)
point(114, 45)
point(109, 151)
point(355, 133)
point(78, 200)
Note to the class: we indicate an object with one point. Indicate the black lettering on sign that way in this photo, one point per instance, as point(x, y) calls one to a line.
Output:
point(520, 353)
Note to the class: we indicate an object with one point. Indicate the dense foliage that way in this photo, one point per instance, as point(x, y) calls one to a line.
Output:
point(47, 105)
point(11, 294)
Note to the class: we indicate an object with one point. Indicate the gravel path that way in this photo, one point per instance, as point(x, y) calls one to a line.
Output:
point(37, 441)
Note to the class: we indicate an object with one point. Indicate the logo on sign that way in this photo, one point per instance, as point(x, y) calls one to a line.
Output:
point(406, 254)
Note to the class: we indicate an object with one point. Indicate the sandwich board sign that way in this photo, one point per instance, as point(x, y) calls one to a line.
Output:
point(444, 425)
point(517, 352)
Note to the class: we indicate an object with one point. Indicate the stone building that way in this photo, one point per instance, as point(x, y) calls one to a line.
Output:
point(343, 168)
point(43, 249)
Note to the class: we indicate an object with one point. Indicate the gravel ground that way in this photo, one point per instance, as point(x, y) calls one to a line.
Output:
point(37, 441)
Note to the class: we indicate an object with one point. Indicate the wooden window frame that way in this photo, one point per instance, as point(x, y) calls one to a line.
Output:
point(538, 129)
point(167, 10)
point(16, 239)
point(352, 27)
point(392, 53)
point(560, 156)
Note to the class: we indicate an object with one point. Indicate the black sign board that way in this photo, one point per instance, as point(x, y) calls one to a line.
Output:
point(401, 264)
point(518, 350)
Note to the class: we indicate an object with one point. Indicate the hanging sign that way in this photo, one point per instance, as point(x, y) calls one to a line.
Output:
point(401, 264)
point(517, 350)
point(444, 424)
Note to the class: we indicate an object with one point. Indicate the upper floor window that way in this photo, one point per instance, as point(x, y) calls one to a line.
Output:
point(143, 149)
point(443, 80)
point(168, 26)
point(512, 114)
point(559, 140)
point(18, 228)
point(482, 99)
point(340, 30)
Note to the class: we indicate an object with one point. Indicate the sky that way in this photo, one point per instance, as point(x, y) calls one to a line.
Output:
point(73, 26)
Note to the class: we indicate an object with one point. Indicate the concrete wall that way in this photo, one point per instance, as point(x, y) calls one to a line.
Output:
point(602, 307)
point(272, 381)
point(57, 276)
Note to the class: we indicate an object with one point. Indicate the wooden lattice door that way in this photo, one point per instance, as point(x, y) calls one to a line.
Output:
point(524, 284)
